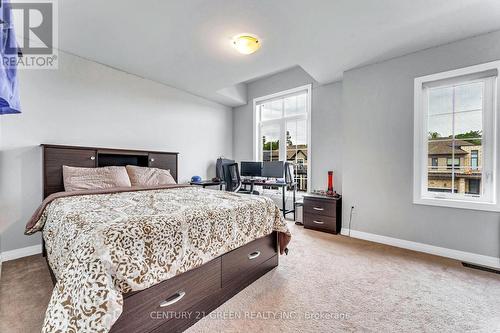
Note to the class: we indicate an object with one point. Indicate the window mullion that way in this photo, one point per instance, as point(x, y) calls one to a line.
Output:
point(270, 122)
point(453, 144)
point(260, 143)
point(283, 108)
point(488, 141)
point(283, 140)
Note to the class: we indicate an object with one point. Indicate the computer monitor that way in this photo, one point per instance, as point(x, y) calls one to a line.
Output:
point(251, 169)
point(274, 169)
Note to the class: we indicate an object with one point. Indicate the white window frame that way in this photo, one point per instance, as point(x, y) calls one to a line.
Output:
point(489, 202)
point(257, 141)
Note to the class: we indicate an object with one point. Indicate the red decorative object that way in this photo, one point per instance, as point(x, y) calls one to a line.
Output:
point(330, 183)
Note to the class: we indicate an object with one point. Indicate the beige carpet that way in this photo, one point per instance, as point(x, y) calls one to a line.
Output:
point(326, 284)
point(25, 289)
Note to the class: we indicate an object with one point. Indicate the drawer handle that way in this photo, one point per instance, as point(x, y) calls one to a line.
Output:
point(254, 255)
point(173, 299)
point(319, 222)
point(92, 158)
point(318, 208)
point(152, 160)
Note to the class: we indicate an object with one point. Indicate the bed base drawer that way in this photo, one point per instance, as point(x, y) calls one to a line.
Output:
point(236, 263)
point(143, 311)
point(211, 303)
point(205, 288)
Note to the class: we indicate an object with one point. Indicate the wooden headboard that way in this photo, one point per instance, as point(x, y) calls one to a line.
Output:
point(55, 156)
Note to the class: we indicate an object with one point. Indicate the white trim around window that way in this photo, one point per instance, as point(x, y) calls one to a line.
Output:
point(256, 121)
point(488, 199)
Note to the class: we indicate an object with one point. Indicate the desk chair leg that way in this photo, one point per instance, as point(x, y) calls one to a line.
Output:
point(284, 201)
point(294, 201)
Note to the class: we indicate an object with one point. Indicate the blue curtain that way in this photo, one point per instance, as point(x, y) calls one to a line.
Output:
point(9, 89)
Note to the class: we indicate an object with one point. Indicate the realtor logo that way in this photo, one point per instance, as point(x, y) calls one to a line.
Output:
point(34, 25)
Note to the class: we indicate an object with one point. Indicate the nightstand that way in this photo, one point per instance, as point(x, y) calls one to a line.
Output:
point(322, 213)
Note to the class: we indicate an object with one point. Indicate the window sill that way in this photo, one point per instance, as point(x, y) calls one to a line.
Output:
point(450, 203)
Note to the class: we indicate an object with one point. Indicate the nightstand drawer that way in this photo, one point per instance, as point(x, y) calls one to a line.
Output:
point(320, 207)
point(320, 222)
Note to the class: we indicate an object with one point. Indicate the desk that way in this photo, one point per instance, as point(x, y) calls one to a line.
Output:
point(283, 187)
point(205, 183)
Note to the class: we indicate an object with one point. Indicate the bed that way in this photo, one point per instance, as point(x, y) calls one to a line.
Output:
point(147, 259)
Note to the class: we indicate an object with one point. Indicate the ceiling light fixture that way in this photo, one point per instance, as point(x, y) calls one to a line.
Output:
point(246, 43)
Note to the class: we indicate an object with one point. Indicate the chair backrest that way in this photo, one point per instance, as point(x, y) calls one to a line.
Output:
point(232, 177)
point(219, 167)
point(289, 173)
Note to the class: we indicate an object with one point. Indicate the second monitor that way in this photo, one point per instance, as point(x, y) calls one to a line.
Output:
point(251, 169)
point(273, 169)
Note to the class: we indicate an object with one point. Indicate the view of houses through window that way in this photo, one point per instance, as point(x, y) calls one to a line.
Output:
point(284, 119)
point(455, 147)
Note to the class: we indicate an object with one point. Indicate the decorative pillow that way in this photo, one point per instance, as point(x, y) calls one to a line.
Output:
point(76, 179)
point(142, 176)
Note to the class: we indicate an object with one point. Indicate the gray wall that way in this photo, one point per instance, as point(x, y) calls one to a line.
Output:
point(378, 152)
point(326, 135)
point(325, 117)
point(84, 103)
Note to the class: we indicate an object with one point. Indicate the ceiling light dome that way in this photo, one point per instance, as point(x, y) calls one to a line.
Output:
point(246, 43)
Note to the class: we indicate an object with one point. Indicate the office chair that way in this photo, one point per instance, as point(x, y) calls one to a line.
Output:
point(233, 180)
point(219, 167)
point(289, 173)
point(232, 177)
point(290, 180)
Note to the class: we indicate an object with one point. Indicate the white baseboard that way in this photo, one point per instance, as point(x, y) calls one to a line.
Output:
point(19, 253)
point(472, 258)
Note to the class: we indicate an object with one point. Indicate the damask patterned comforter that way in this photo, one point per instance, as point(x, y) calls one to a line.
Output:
point(103, 245)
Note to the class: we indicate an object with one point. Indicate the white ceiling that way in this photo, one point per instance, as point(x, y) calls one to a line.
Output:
point(187, 43)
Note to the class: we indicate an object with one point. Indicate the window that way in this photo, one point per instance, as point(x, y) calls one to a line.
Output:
point(474, 186)
point(435, 162)
point(282, 130)
point(474, 159)
point(449, 163)
point(455, 116)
